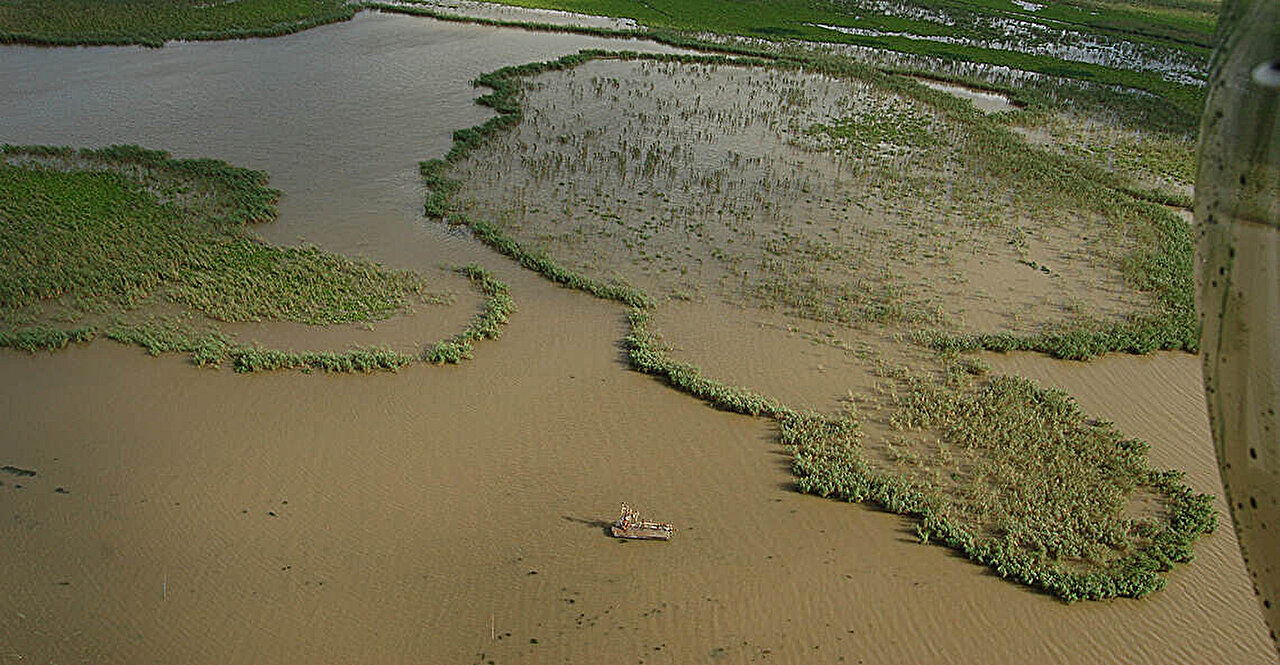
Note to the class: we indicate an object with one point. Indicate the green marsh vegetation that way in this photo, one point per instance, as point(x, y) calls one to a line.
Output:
point(1157, 47)
point(133, 245)
point(152, 22)
point(1012, 475)
point(875, 252)
point(819, 191)
point(1158, 166)
point(1144, 62)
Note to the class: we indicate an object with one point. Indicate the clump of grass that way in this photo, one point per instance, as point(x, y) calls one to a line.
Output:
point(159, 335)
point(44, 338)
point(173, 227)
point(866, 132)
point(487, 324)
point(1020, 481)
point(257, 359)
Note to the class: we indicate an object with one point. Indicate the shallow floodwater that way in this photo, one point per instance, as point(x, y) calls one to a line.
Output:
point(456, 514)
point(987, 102)
point(339, 116)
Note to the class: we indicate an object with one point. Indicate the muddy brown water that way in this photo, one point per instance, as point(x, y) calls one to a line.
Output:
point(455, 515)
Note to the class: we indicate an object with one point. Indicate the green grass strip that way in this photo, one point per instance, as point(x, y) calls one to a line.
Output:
point(153, 22)
point(487, 324)
point(45, 338)
point(1161, 105)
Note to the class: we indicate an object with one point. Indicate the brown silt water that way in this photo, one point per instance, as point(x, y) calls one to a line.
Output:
point(458, 514)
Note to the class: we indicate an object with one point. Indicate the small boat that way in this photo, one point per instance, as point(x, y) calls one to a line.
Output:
point(630, 525)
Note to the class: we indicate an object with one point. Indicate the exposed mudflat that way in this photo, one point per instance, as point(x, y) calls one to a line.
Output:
point(457, 514)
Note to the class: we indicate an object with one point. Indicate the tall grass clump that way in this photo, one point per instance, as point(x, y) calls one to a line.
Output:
point(63, 207)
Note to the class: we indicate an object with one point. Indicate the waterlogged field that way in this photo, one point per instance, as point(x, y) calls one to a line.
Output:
point(822, 196)
point(1150, 45)
point(871, 204)
point(1157, 165)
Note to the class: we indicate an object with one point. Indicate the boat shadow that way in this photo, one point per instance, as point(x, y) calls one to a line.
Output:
point(602, 525)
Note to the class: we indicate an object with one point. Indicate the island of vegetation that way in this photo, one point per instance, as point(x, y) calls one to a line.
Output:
point(133, 245)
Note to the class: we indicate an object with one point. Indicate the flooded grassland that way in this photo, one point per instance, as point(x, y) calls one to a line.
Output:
point(456, 514)
point(889, 211)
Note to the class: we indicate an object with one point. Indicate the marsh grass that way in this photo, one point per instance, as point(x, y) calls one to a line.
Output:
point(487, 324)
point(1152, 166)
point(775, 227)
point(101, 229)
point(132, 245)
point(787, 27)
point(153, 22)
point(1016, 478)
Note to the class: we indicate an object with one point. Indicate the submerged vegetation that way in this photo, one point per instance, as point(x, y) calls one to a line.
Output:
point(135, 246)
point(832, 192)
point(1012, 475)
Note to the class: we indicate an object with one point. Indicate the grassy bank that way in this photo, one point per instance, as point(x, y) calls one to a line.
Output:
point(988, 442)
point(132, 245)
point(153, 22)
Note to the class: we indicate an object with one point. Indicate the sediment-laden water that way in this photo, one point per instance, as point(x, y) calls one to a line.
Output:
point(456, 514)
